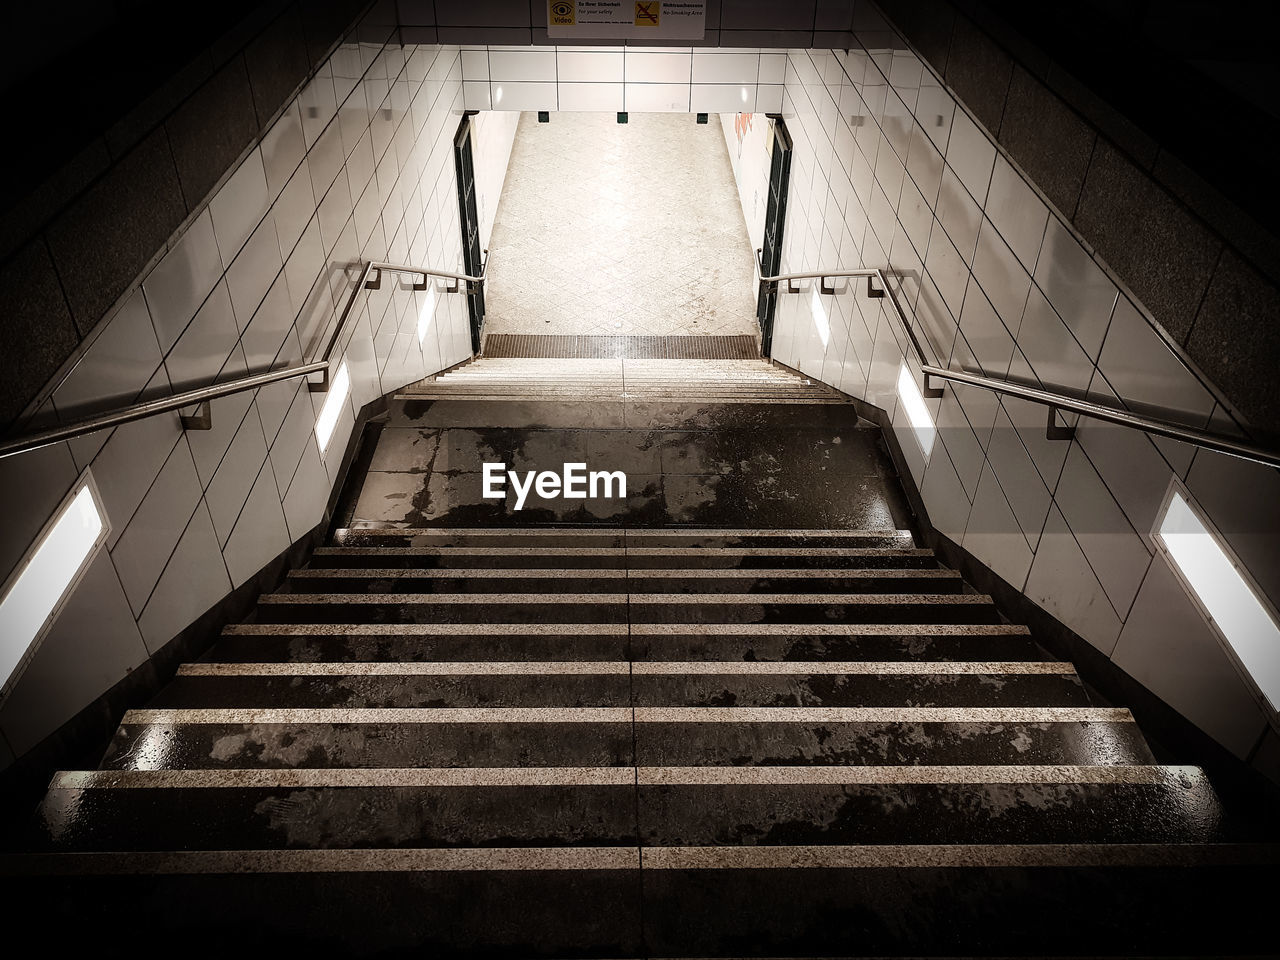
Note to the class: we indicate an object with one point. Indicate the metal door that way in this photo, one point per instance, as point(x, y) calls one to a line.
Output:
point(472, 255)
point(774, 217)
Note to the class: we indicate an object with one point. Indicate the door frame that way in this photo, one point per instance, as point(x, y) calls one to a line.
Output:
point(780, 148)
point(469, 225)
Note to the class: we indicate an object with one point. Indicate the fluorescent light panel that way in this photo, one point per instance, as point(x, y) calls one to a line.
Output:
point(917, 412)
point(47, 575)
point(1229, 598)
point(332, 407)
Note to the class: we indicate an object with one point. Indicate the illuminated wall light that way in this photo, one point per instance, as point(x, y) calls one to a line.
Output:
point(820, 319)
point(744, 94)
point(497, 96)
point(1246, 625)
point(917, 412)
point(45, 577)
point(427, 312)
point(332, 407)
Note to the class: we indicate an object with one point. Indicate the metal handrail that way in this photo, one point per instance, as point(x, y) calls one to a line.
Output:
point(149, 408)
point(871, 273)
point(374, 282)
point(1057, 401)
point(1054, 401)
point(370, 279)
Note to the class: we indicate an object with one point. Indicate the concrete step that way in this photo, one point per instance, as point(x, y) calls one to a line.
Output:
point(405, 808)
point(679, 414)
point(250, 738)
point(534, 538)
point(748, 608)
point(612, 683)
point(575, 580)
point(867, 900)
point(360, 643)
point(620, 558)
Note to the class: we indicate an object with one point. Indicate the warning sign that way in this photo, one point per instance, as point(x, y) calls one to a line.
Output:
point(627, 19)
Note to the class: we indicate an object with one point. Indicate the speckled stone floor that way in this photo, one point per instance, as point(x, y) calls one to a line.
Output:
point(728, 465)
point(609, 228)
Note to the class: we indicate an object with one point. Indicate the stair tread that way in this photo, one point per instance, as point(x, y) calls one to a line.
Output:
point(840, 856)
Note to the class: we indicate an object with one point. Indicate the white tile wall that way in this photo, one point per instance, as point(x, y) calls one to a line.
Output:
point(522, 95)
point(1002, 286)
point(252, 282)
point(591, 97)
point(614, 79)
point(574, 66)
point(180, 282)
point(92, 646)
point(1167, 646)
point(117, 365)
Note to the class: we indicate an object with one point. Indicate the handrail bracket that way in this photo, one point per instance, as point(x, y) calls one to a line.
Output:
point(202, 419)
point(1058, 431)
point(932, 392)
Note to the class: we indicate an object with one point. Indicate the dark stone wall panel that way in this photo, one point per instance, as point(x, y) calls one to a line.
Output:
point(210, 130)
point(1236, 340)
point(1104, 117)
point(323, 22)
point(927, 24)
point(1048, 139)
point(108, 235)
point(979, 71)
point(1156, 246)
point(36, 207)
point(277, 63)
point(37, 334)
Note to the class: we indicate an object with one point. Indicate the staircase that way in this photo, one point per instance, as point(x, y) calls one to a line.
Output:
point(530, 738)
point(501, 378)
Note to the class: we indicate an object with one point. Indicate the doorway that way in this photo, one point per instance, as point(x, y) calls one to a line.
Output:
point(774, 219)
point(620, 229)
point(468, 215)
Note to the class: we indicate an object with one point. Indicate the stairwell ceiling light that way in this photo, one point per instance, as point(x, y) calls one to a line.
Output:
point(1224, 592)
point(917, 410)
point(44, 579)
point(332, 408)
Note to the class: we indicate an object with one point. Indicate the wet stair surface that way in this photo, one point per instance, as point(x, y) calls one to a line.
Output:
point(624, 739)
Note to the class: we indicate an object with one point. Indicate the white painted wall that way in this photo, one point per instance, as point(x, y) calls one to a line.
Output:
point(746, 136)
point(890, 171)
point(493, 134)
point(359, 166)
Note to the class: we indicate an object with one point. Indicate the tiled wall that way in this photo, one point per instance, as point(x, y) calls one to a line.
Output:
point(612, 79)
point(889, 170)
point(1185, 215)
point(360, 166)
point(92, 197)
point(729, 23)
